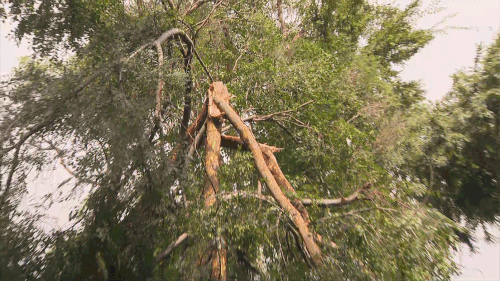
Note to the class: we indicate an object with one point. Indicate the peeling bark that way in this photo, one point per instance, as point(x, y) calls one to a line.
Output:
point(283, 201)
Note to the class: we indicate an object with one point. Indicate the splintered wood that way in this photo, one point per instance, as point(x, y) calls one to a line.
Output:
point(220, 90)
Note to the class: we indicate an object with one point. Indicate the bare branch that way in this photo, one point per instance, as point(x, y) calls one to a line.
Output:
point(279, 6)
point(181, 239)
point(339, 201)
point(203, 22)
point(256, 118)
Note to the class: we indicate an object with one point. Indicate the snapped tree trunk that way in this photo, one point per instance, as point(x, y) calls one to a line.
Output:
point(212, 162)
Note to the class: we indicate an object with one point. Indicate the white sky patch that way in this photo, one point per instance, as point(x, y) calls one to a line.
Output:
point(456, 49)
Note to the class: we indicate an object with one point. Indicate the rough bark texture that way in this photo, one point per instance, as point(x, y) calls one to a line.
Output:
point(281, 199)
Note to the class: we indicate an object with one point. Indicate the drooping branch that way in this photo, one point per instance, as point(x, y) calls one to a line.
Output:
point(59, 153)
point(271, 183)
point(304, 201)
point(28, 134)
point(188, 55)
point(160, 83)
point(181, 239)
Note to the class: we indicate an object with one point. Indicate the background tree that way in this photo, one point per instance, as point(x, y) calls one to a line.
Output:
point(114, 94)
point(455, 146)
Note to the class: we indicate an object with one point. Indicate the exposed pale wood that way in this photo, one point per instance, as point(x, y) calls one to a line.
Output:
point(212, 160)
point(217, 89)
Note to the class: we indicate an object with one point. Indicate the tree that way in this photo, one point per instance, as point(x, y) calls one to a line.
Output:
point(128, 112)
point(456, 146)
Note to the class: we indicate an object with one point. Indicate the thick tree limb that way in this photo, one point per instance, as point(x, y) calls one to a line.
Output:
point(272, 163)
point(219, 260)
point(212, 160)
point(181, 239)
point(271, 183)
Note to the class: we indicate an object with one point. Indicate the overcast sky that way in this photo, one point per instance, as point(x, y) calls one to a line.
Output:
point(433, 65)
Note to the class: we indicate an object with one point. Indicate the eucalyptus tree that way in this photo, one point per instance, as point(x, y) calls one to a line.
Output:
point(124, 93)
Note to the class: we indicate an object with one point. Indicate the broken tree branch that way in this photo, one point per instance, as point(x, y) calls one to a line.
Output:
point(271, 183)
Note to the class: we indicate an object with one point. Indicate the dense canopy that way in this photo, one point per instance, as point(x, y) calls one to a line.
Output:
point(241, 140)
